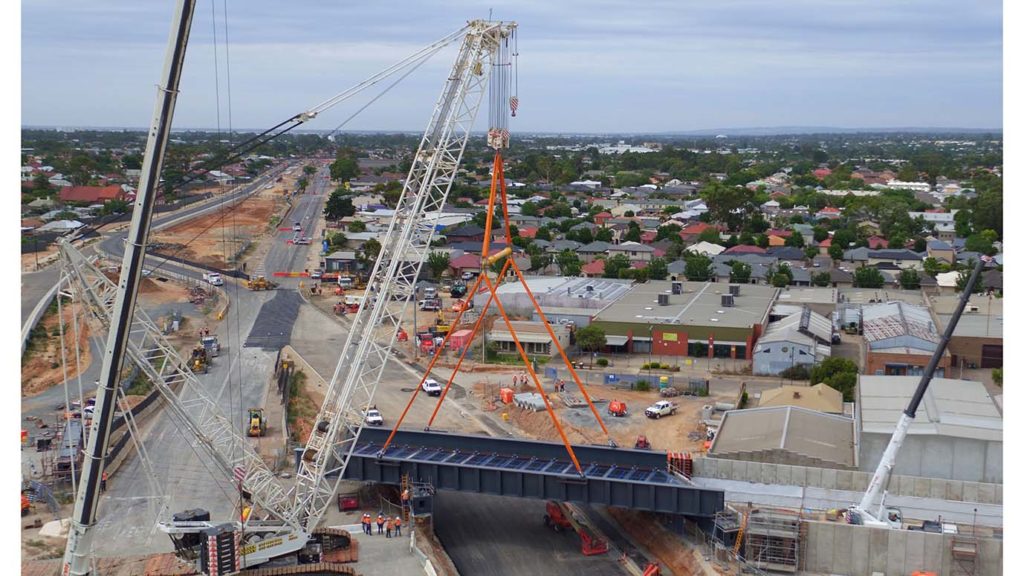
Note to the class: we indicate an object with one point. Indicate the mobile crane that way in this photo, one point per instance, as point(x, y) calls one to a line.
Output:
point(871, 510)
point(282, 525)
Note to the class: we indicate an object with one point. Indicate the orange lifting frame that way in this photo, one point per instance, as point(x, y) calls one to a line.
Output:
point(498, 187)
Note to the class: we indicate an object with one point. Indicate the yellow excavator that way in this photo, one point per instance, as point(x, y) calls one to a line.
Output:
point(257, 424)
point(259, 282)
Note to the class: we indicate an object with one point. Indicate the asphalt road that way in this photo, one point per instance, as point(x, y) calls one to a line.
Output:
point(502, 535)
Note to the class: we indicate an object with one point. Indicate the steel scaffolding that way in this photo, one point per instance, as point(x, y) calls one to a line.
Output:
point(773, 540)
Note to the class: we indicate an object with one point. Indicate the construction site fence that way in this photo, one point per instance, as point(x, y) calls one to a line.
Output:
point(852, 480)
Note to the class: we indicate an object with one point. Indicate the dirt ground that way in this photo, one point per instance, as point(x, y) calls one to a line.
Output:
point(671, 433)
point(304, 407)
point(215, 238)
point(41, 365)
point(668, 549)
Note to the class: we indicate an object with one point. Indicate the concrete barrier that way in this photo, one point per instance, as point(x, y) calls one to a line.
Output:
point(848, 550)
point(852, 480)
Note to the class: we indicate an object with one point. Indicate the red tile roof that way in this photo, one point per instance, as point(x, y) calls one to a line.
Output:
point(744, 249)
point(528, 232)
point(779, 232)
point(594, 268)
point(648, 237)
point(465, 261)
point(826, 243)
point(91, 193)
point(876, 242)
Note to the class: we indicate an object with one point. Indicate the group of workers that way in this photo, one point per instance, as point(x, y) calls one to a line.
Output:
point(520, 378)
point(385, 526)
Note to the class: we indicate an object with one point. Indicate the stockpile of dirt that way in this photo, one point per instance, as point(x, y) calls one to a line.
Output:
point(41, 363)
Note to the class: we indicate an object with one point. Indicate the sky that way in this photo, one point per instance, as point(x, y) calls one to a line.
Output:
point(584, 66)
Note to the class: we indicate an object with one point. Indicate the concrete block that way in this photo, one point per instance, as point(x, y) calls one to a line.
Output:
point(970, 492)
point(844, 480)
point(999, 493)
point(723, 469)
point(933, 553)
point(784, 474)
point(769, 473)
point(954, 490)
point(703, 467)
point(749, 471)
point(921, 487)
point(798, 475)
point(859, 539)
point(828, 478)
point(915, 549)
point(906, 485)
point(860, 481)
point(809, 548)
point(990, 557)
point(826, 544)
point(937, 488)
point(896, 559)
point(878, 547)
point(813, 477)
point(987, 493)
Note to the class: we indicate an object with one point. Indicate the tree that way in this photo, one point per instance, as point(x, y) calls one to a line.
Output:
point(657, 269)
point(628, 214)
point(371, 249)
point(982, 242)
point(965, 276)
point(868, 277)
point(529, 209)
point(839, 373)
point(338, 206)
point(438, 262)
point(345, 166)
point(603, 235)
point(711, 235)
point(796, 240)
point(821, 279)
point(820, 233)
point(931, 266)
point(357, 226)
point(668, 231)
point(962, 223)
point(540, 261)
point(568, 263)
point(633, 234)
point(543, 233)
point(41, 184)
point(591, 338)
point(309, 169)
point(698, 268)
point(740, 273)
point(337, 240)
point(615, 264)
point(836, 252)
point(728, 204)
point(810, 252)
point(909, 279)
point(114, 207)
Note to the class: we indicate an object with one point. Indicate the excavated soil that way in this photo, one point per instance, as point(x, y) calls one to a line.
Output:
point(668, 549)
point(41, 366)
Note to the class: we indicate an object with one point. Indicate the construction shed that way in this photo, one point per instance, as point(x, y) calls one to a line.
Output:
point(820, 398)
point(675, 318)
point(957, 434)
point(787, 435)
point(804, 337)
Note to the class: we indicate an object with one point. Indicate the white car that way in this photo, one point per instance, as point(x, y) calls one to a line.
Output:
point(467, 276)
point(431, 387)
point(373, 417)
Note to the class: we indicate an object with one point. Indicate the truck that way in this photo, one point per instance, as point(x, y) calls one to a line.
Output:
point(661, 408)
point(211, 344)
point(213, 279)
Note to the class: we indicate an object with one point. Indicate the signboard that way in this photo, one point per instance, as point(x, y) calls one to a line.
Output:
point(670, 337)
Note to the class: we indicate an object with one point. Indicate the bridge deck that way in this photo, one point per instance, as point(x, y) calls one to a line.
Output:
point(530, 469)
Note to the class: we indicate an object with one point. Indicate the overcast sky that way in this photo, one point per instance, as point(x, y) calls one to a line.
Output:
point(584, 66)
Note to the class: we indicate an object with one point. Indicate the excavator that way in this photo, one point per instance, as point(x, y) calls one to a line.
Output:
point(257, 424)
point(259, 282)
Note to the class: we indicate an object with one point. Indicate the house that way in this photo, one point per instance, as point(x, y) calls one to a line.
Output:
point(706, 249)
point(635, 251)
point(821, 173)
point(341, 261)
point(744, 249)
point(941, 251)
point(533, 336)
point(589, 252)
point(790, 254)
point(802, 338)
point(824, 245)
point(770, 207)
point(593, 269)
point(775, 241)
point(945, 231)
point(465, 263)
point(857, 256)
point(840, 278)
point(828, 212)
point(91, 194)
point(60, 226)
point(559, 246)
point(601, 218)
point(900, 258)
point(877, 243)
point(690, 233)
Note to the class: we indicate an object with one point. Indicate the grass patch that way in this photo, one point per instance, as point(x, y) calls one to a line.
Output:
point(299, 405)
point(140, 386)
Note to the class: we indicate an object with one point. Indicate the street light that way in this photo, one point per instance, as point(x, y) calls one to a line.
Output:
point(650, 348)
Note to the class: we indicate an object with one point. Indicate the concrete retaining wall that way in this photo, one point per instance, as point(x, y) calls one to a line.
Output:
point(848, 550)
point(857, 481)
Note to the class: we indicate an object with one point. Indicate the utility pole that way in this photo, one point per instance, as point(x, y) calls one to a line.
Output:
point(78, 553)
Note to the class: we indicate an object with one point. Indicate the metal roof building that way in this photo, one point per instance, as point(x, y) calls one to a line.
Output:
point(957, 434)
point(900, 339)
point(787, 435)
point(803, 337)
point(820, 397)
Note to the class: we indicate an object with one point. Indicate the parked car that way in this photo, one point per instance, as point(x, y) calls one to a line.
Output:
point(661, 408)
point(316, 274)
point(431, 387)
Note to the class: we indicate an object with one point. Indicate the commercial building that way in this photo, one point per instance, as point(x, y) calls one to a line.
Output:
point(532, 335)
point(787, 435)
point(957, 434)
point(821, 300)
point(802, 338)
point(977, 341)
point(675, 318)
point(562, 298)
point(900, 339)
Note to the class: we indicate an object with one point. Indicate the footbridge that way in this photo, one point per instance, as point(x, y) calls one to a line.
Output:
point(628, 478)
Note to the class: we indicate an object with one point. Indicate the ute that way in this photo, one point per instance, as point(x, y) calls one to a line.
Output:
point(373, 417)
point(661, 408)
point(213, 279)
point(431, 387)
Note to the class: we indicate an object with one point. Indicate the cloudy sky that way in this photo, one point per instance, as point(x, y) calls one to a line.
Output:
point(584, 66)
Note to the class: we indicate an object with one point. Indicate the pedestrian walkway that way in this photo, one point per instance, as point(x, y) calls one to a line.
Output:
point(382, 555)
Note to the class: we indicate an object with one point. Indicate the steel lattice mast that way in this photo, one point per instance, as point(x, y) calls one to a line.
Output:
point(403, 250)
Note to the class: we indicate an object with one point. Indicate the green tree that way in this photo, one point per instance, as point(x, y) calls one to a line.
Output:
point(633, 234)
point(868, 277)
point(839, 373)
point(543, 233)
point(357, 226)
point(529, 209)
point(568, 263)
point(982, 242)
point(740, 273)
point(309, 169)
point(909, 279)
point(965, 276)
point(591, 338)
point(821, 279)
point(962, 223)
point(41, 185)
point(728, 204)
point(540, 261)
point(337, 240)
point(615, 264)
point(668, 231)
point(657, 269)
point(820, 233)
point(604, 235)
point(711, 235)
point(810, 252)
point(835, 252)
point(931, 266)
point(115, 207)
point(796, 240)
point(338, 206)
point(345, 166)
point(698, 268)
point(438, 263)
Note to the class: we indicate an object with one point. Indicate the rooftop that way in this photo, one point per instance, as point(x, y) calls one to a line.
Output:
point(982, 318)
point(893, 320)
point(809, 433)
point(871, 295)
point(808, 295)
point(959, 408)
point(700, 304)
point(820, 397)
